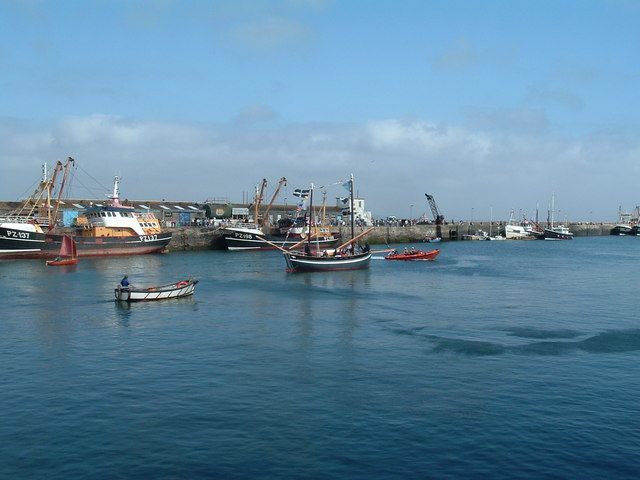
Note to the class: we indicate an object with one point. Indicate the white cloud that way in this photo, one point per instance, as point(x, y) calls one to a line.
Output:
point(395, 162)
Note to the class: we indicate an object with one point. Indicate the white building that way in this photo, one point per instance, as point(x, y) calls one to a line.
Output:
point(358, 209)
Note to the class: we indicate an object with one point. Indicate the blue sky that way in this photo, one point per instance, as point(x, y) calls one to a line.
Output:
point(483, 103)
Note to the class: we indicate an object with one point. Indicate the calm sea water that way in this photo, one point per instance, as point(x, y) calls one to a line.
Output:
point(500, 359)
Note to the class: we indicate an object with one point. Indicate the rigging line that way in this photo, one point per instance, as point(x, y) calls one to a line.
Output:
point(339, 182)
point(28, 189)
point(70, 184)
point(93, 178)
point(89, 190)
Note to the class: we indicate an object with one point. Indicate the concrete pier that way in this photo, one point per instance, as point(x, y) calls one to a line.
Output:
point(210, 238)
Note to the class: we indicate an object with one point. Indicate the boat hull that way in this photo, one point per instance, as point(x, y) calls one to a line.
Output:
point(165, 292)
point(299, 262)
point(239, 240)
point(62, 263)
point(418, 256)
point(550, 234)
point(518, 232)
point(19, 244)
point(622, 230)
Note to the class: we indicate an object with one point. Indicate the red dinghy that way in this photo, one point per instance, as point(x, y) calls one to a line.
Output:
point(68, 254)
point(414, 254)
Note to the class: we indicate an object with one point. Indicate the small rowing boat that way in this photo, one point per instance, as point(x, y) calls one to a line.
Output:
point(414, 254)
point(179, 289)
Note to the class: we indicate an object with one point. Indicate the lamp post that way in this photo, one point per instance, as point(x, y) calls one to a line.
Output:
point(410, 212)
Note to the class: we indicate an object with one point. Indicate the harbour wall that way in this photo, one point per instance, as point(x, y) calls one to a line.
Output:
point(210, 238)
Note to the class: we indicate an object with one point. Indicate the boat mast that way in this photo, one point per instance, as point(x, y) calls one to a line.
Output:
point(324, 208)
point(553, 198)
point(310, 217)
point(265, 215)
point(258, 202)
point(491, 220)
point(352, 213)
point(70, 161)
point(49, 185)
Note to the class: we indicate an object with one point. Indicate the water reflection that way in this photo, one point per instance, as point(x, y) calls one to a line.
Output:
point(123, 313)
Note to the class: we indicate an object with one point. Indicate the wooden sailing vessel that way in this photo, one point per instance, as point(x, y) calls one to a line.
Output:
point(68, 253)
point(344, 257)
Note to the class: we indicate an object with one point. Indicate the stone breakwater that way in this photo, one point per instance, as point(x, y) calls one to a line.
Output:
point(210, 238)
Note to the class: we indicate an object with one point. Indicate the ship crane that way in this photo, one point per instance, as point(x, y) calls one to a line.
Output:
point(437, 216)
point(258, 199)
point(265, 215)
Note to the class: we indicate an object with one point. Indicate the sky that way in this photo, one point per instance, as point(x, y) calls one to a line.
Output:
point(491, 106)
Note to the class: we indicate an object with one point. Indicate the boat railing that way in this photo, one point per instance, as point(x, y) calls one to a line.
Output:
point(42, 221)
point(145, 216)
point(239, 225)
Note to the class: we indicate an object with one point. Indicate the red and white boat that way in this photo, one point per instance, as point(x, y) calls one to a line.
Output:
point(414, 254)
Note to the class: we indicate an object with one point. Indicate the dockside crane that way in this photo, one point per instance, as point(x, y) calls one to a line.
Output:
point(438, 218)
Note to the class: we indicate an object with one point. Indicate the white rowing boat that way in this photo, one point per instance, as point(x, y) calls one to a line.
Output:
point(179, 289)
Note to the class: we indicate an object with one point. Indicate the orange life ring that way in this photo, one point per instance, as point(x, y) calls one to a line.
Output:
point(182, 284)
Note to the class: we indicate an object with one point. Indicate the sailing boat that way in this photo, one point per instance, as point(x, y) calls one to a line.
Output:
point(558, 232)
point(344, 257)
point(68, 254)
point(491, 236)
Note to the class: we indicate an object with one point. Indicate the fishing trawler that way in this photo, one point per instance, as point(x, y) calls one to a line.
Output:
point(255, 236)
point(624, 226)
point(112, 229)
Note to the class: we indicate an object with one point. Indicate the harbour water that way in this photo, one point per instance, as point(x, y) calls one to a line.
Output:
point(500, 359)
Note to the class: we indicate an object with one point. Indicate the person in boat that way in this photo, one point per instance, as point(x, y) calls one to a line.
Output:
point(124, 283)
point(366, 248)
point(307, 249)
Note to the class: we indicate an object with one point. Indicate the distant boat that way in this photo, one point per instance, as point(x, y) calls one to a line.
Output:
point(623, 227)
point(559, 232)
point(556, 232)
point(179, 289)
point(479, 235)
point(523, 230)
point(491, 236)
point(414, 254)
point(68, 253)
point(432, 240)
